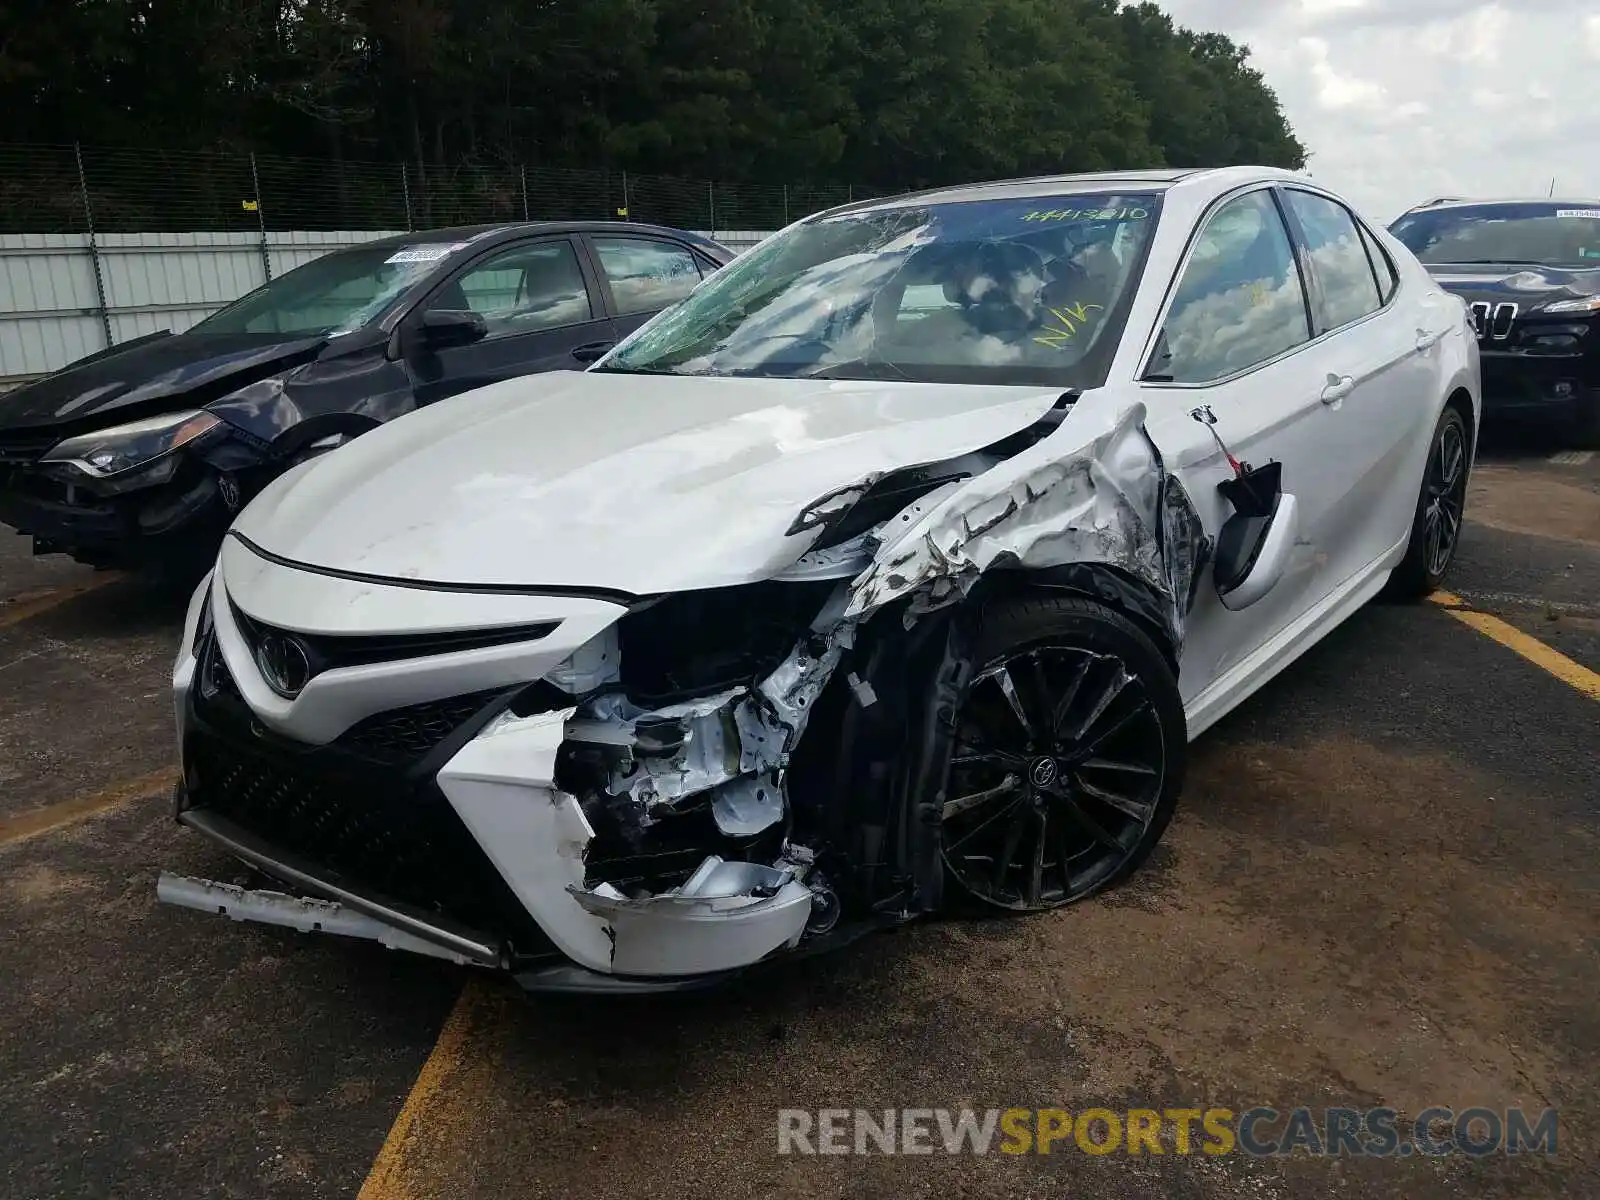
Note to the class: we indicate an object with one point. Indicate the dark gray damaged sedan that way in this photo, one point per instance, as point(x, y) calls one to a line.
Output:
point(139, 456)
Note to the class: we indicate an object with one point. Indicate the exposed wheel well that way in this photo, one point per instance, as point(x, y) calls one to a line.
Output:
point(1132, 599)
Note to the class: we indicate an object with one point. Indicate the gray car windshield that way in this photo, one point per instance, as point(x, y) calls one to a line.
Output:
point(1030, 290)
point(336, 293)
point(1556, 235)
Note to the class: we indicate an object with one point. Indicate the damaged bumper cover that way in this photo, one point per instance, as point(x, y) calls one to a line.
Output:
point(725, 916)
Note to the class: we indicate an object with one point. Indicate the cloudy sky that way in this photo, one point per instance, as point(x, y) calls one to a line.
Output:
point(1399, 101)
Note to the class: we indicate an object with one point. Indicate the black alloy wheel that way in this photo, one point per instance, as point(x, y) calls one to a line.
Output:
point(1069, 755)
point(1446, 492)
point(1436, 524)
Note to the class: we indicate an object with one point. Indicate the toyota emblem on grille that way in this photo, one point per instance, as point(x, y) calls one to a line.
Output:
point(284, 664)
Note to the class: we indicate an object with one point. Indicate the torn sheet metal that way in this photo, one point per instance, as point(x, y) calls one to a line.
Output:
point(844, 561)
point(731, 746)
point(748, 805)
point(665, 754)
point(1111, 501)
point(593, 664)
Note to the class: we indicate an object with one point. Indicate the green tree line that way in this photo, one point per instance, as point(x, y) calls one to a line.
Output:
point(888, 93)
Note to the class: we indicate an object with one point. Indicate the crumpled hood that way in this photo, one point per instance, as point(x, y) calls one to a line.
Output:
point(148, 376)
point(1531, 288)
point(632, 483)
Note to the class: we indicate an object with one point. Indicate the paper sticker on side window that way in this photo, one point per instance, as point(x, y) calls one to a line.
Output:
point(1592, 214)
point(415, 254)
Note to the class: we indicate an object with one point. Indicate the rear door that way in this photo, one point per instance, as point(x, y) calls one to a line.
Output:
point(542, 307)
point(1380, 348)
point(1234, 358)
point(642, 274)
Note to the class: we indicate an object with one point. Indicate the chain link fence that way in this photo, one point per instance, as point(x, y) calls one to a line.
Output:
point(82, 189)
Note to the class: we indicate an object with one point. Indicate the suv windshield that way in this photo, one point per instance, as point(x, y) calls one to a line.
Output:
point(1027, 291)
point(1556, 235)
point(336, 293)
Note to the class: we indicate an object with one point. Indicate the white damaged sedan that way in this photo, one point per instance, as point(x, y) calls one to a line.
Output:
point(889, 573)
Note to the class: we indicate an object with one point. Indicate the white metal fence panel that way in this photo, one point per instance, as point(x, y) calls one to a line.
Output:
point(47, 302)
point(63, 297)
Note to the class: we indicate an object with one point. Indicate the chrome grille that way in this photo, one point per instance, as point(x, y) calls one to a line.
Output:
point(1493, 321)
point(1500, 323)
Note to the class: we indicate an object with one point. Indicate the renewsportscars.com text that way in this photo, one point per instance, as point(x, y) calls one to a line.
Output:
point(1258, 1132)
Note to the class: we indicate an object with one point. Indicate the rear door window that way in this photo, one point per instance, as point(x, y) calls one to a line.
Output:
point(646, 275)
point(1382, 264)
point(1349, 290)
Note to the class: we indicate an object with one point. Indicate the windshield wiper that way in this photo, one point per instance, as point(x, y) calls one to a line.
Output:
point(857, 368)
point(615, 370)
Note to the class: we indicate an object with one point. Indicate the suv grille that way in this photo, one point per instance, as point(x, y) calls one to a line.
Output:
point(20, 450)
point(1492, 322)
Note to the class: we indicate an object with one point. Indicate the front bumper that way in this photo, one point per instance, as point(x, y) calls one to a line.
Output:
point(1531, 384)
point(138, 528)
point(441, 823)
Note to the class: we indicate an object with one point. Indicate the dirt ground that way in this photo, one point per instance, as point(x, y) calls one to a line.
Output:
point(1381, 889)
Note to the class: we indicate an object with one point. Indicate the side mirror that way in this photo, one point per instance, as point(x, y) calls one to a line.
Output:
point(1253, 551)
point(442, 328)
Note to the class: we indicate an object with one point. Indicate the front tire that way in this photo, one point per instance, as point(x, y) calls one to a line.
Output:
point(1068, 759)
point(1441, 502)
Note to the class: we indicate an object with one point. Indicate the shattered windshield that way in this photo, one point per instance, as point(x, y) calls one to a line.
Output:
point(1030, 290)
point(1553, 235)
point(336, 293)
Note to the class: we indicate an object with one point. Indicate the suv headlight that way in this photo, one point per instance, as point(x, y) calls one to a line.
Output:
point(109, 452)
point(1584, 304)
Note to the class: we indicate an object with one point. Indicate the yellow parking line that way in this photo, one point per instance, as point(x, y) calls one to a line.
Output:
point(1545, 657)
point(53, 816)
point(390, 1176)
point(32, 604)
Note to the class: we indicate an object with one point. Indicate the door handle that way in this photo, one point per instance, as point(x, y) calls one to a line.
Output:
point(1339, 386)
point(1426, 341)
point(591, 352)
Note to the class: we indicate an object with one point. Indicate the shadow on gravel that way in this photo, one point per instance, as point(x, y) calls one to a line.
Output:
point(1510, 440)
point(127, 607)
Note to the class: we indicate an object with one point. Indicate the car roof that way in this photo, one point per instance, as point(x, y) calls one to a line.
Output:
point(1155, 179)
point(504, 231)
point(1461, 202)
